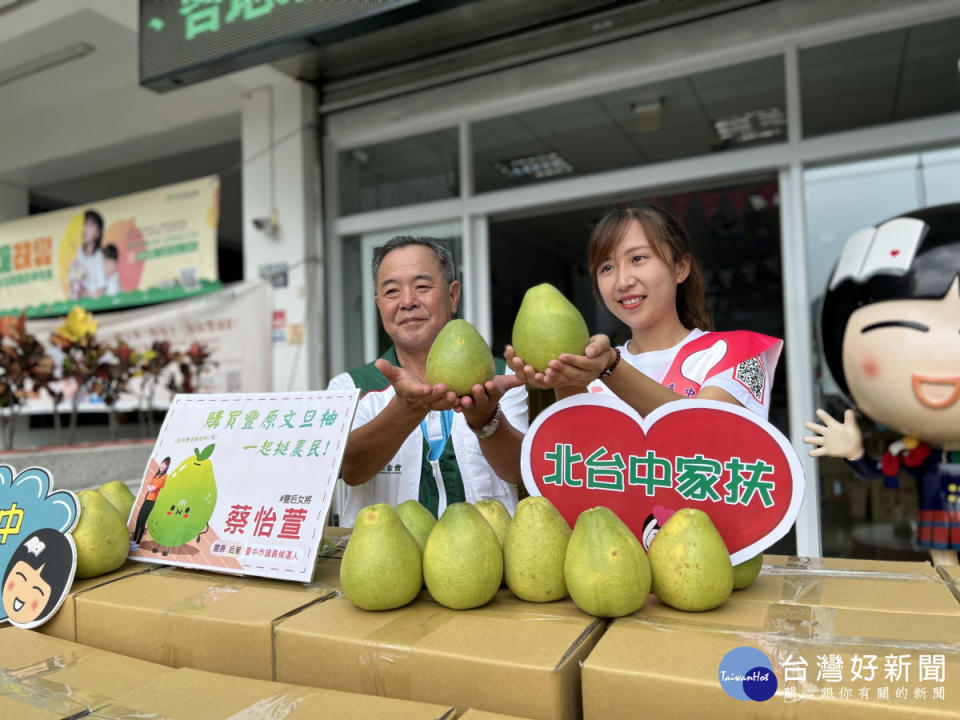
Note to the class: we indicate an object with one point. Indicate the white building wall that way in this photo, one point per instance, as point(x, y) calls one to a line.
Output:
point(280, 157)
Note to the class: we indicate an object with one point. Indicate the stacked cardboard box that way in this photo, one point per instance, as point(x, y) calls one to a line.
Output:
point(188, 618)
point(46, 678)
point(64, 623)
point(850, 639)
point(951, 573)
point(196, 695)
point(508, 656)
point(483, 715)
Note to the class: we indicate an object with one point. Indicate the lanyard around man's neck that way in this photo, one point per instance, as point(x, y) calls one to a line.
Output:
point(436, 446)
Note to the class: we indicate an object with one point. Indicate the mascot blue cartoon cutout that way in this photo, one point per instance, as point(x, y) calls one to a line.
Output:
point(37, 556)
point(890, 329)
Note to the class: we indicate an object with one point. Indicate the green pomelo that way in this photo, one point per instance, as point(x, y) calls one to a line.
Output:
point(459, 358)
point(185, 503)
point(381, 567)
point(606, 569)
point(118, 495)
point(746, 572)
point(462, 562)
point(417, 519)
point(100, 536)
point(547, 325)
point(534, 550)
point(495, 513)
point(690, 563)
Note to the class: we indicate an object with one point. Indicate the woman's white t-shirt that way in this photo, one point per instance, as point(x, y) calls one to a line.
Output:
point(749, 381)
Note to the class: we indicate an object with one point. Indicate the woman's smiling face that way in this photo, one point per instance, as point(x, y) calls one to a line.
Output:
point(902, 363)
point(636, 285)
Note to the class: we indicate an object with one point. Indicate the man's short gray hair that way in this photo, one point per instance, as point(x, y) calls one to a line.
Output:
point(439, 248)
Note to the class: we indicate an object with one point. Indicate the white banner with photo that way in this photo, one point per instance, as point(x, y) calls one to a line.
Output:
point(148, 247)
point(233, 323)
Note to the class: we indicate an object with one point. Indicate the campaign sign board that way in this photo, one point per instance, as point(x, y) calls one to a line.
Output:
point(242, 483)
point(591, 449)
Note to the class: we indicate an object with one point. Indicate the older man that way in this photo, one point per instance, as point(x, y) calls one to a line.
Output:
point(411, 440)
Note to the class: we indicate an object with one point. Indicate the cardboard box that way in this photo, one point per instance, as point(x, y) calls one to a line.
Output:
point(64, 623)
point(849, 565)
point(472, 714)
point(327, 574)
point(46, 677)
point(188, 618)
point(951, 574)
point(10, 708)
point(188, 694)
point(913, 587)
point(668, 662)
point(508, 656)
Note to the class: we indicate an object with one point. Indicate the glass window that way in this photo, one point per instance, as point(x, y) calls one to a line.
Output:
point(841, 199)
point(865, 518)
point(940, 175)
point(880, 78)
point(730, 107)
point(410, 170)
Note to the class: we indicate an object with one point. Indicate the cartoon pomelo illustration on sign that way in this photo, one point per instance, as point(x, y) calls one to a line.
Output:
point(185, 503)
point(595, 450)
point(37, 556)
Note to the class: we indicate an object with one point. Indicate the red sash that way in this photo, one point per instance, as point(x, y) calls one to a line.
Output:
point(716, 352)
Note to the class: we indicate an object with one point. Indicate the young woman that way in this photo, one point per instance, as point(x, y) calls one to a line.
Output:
point(643, 270)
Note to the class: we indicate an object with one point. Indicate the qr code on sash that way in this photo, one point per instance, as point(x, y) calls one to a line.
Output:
point(751, 374)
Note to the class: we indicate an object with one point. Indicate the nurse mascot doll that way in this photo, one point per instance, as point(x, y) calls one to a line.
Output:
point(890, 330)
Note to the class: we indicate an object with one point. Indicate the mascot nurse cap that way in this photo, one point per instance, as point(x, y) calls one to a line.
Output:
point(890, 329)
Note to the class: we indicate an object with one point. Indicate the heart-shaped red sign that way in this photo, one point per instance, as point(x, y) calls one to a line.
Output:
point(592, 449)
